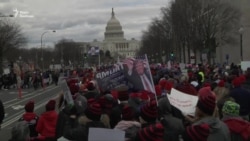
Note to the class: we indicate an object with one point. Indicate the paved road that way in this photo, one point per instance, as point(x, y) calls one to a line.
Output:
point(14, 107)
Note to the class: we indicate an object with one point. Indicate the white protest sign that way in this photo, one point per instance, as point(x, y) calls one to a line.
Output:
point(184, 102)
point(66, 92)
point(101, 134)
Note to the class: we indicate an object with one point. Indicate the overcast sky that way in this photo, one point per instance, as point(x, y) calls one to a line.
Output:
point(80, 20)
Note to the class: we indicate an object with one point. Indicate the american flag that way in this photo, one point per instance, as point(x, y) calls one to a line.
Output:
point(94, 51)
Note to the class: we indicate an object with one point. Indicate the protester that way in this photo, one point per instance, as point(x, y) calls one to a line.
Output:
point(239, 128)
point(31, 118)
point(71, 128)
point(153, 132)
point(186, 87)
point(173, 125)
point(204, 115)
point(92, 117)
point(128, 123)
point(148, 113)
point(20, 132)
point(242, 97)
point(2, 112)
point(46, 126)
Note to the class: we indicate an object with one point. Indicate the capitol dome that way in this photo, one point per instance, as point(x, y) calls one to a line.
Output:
point(113, 29)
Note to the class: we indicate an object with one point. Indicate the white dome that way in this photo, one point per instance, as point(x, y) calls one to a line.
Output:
point(113, 29)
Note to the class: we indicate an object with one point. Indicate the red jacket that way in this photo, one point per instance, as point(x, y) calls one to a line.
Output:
point(239, 126)
point(46, 125)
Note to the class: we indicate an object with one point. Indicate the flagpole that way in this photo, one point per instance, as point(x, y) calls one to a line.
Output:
point(151, 78)
point(99, 59)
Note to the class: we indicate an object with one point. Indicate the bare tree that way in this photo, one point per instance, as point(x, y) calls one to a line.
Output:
point(10, 37)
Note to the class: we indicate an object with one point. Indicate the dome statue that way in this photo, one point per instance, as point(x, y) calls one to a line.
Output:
point(113, 29)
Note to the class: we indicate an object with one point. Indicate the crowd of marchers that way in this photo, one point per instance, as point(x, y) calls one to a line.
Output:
point(222, 110)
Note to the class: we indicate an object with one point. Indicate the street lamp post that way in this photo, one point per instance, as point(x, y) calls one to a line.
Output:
point(241, 46)
point(53, 63)
point(42, 47)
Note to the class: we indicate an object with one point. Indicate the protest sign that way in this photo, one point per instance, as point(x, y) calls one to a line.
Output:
point(101, 134)
point(133, 72)
point(184, 102)
point(138, 73)
point(66, 92)
point(111, 78)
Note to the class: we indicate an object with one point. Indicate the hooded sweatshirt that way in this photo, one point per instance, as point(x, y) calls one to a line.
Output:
point(239, 126)
point(46, 126)
point(218, 130)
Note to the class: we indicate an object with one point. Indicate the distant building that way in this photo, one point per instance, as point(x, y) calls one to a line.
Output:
point(233, 51)
point(114, 40)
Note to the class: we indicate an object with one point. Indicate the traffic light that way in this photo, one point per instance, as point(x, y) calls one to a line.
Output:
point(172, 54)
point(85, 56)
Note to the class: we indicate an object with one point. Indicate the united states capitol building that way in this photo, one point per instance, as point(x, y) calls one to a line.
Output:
point(114, 41)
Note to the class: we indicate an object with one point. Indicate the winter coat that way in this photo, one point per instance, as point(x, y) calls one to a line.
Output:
point(242, 97)
point(239, 128)
point(74, 131)
point(173, 128)
point(46, 125)
point(32, 120)
point(63, 118)
point(218, 129)
point(130, 128)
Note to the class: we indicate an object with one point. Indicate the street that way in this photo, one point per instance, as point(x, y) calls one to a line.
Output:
point(14, 107)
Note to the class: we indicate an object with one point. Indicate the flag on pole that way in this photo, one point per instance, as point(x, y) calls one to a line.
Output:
point(94, 51)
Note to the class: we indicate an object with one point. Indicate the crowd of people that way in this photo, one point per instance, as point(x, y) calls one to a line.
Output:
point(222, 111)
point(29, 79)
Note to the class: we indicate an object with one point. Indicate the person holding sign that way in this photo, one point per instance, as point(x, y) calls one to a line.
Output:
point(204, 120)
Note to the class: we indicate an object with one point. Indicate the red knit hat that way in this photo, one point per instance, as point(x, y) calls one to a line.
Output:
point(50, 106)
point(163, 83)
point(106, 101)
point(149, 111)
point(74, 88)
point(144, 95)
point(153, 132)
point(169, 86)
point(134, 95)
point(198, 132)
point(207, 100)
point(94, 111)
point(221, 83)
point(237, 82)
point(158, 90)
point(206, 84)
point(128, 113)
point(123, 95)
point(29, 107)
point(242, 78)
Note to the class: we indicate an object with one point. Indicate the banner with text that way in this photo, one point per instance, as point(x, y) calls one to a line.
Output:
point(133, 72)
point(184, 102)
point(110, 78)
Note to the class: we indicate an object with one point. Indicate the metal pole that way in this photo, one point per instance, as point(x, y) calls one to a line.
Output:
point(241, 49)
point(42, 49)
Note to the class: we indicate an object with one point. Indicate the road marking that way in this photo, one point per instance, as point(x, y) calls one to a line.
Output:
point(17, 107)
point(19, 114)
point(18, 92)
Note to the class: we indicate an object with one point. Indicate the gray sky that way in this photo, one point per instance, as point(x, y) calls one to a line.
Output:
point(80, 20)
